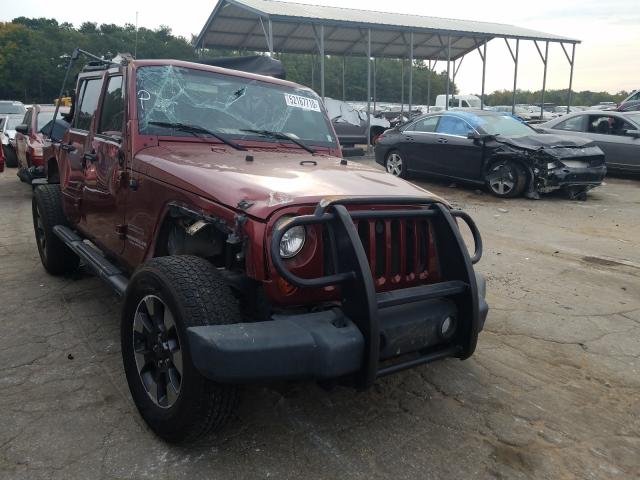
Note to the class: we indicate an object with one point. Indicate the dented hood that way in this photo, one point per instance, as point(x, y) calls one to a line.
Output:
point(272, 180)
point(545, 141)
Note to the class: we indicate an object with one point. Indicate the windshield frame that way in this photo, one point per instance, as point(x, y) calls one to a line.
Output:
point(241, 77)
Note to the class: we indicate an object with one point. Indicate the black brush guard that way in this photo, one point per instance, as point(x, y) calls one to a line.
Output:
point(363, 305)
point(371, 334)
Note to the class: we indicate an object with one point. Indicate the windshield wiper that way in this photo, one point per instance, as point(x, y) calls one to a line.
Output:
point(282, 136)
point(195, 129)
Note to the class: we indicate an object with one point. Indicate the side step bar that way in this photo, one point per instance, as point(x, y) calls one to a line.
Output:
point(100, 265)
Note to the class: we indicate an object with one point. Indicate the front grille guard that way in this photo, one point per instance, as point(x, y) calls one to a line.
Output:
point(353, 272)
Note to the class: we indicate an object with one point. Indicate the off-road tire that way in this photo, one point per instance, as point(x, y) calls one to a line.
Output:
point(56, 257)
point(10, 156)
point(516, 174)
point(196, 295)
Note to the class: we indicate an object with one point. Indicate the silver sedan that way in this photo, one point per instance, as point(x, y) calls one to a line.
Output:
point(616, 133)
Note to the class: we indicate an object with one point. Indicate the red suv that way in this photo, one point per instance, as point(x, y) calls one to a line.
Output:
point(32, 138)
point(245, 248)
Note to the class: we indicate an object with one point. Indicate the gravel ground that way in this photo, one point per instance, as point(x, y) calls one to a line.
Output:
point(552, 392)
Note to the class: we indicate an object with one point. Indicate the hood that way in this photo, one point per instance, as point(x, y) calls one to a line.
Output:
point(545, 141)
point(274, 179)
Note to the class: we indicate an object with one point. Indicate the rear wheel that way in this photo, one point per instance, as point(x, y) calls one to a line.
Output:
point(47, 211)
point(395, 165)
point(506, 179)
point(165, 297)
point(11, 158)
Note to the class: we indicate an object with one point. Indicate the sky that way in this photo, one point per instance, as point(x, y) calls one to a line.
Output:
point(607, 59)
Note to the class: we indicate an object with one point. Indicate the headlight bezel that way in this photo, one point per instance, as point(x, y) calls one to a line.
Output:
point(300, 229)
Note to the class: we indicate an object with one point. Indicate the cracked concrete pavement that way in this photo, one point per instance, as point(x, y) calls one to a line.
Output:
point(552, 392)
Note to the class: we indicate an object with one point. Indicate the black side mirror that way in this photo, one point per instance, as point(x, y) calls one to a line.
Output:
point(23, 128)
point(473, 135)
point(632, 133)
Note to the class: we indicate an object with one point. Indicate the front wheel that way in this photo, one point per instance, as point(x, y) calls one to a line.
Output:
point(395, 164)
point(506, 179)
point(165, 297)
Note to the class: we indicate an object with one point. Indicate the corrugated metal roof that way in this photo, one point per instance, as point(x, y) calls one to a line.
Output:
point(236, 24)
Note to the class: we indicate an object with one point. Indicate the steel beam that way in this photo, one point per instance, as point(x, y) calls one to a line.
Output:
point(515, 71)
point(322, 62)
point(545, 59)
point(483, 55)
point(368, 89)
point(446, 105)
point(410, 72)
point(571, 63)
point(344, 68)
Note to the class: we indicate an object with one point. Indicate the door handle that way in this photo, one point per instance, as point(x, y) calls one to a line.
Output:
point(90, 157)
point(443, 140)
point(67, 147)
point(409, 139)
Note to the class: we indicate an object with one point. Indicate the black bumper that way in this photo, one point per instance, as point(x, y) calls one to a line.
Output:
point(324, 345)
point(587, 177)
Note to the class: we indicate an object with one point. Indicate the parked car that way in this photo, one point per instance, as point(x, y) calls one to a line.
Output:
point(458, 101)
point(521, 112)
point(13, 112)
point(31, 139)
point(246, 249)
point(630, 106)
point(632, 99)
point(494, 149)
point(350, 124)
point(616, 133)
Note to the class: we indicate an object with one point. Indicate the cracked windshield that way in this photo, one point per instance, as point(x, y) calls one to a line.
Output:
point(232, 106)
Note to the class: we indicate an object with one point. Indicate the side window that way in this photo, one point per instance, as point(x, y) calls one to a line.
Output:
point(453, 126)
point(425, 125)
point(573, 124)
point(88, 104)
point(635, 96)
point(465, 104)
point(619, 126)
point(599, 124)
point(112, 108)
point(27, 118)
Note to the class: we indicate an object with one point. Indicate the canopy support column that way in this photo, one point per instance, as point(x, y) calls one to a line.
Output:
point(344, 68)
point(515, 71)
point(410, 73)
point(429, 88)
point(446, 105)
point(571, 63)
point(368, 89)
point(268, 34)
point(483, 56)
point(545, 59)
point(402, 86)
point(375, 96)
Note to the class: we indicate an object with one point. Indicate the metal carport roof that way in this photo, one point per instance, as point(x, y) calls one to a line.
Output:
point(269, 25)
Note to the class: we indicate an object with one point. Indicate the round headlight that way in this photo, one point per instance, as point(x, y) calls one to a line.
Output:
point(292, 241)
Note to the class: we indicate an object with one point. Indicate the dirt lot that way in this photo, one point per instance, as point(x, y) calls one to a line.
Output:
point(553, 390)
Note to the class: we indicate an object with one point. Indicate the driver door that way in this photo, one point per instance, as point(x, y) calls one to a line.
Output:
point(103, 196)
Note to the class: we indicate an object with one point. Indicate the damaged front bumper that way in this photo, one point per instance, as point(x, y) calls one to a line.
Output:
point(328, 344)
point(571, 175)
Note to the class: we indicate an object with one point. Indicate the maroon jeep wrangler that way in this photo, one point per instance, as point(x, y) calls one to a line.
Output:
point(216, 202)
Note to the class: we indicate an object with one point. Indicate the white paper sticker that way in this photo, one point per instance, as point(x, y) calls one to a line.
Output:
point(301, 102)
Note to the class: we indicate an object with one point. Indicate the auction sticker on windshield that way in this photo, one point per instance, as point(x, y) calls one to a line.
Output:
point(301, 102)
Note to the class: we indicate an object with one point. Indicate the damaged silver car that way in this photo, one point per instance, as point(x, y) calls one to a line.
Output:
point(494, 149)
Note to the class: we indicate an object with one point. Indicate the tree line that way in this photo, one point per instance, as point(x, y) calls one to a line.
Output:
point(32, 64)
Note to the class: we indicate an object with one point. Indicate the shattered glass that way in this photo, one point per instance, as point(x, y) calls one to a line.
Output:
point(227, 104)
